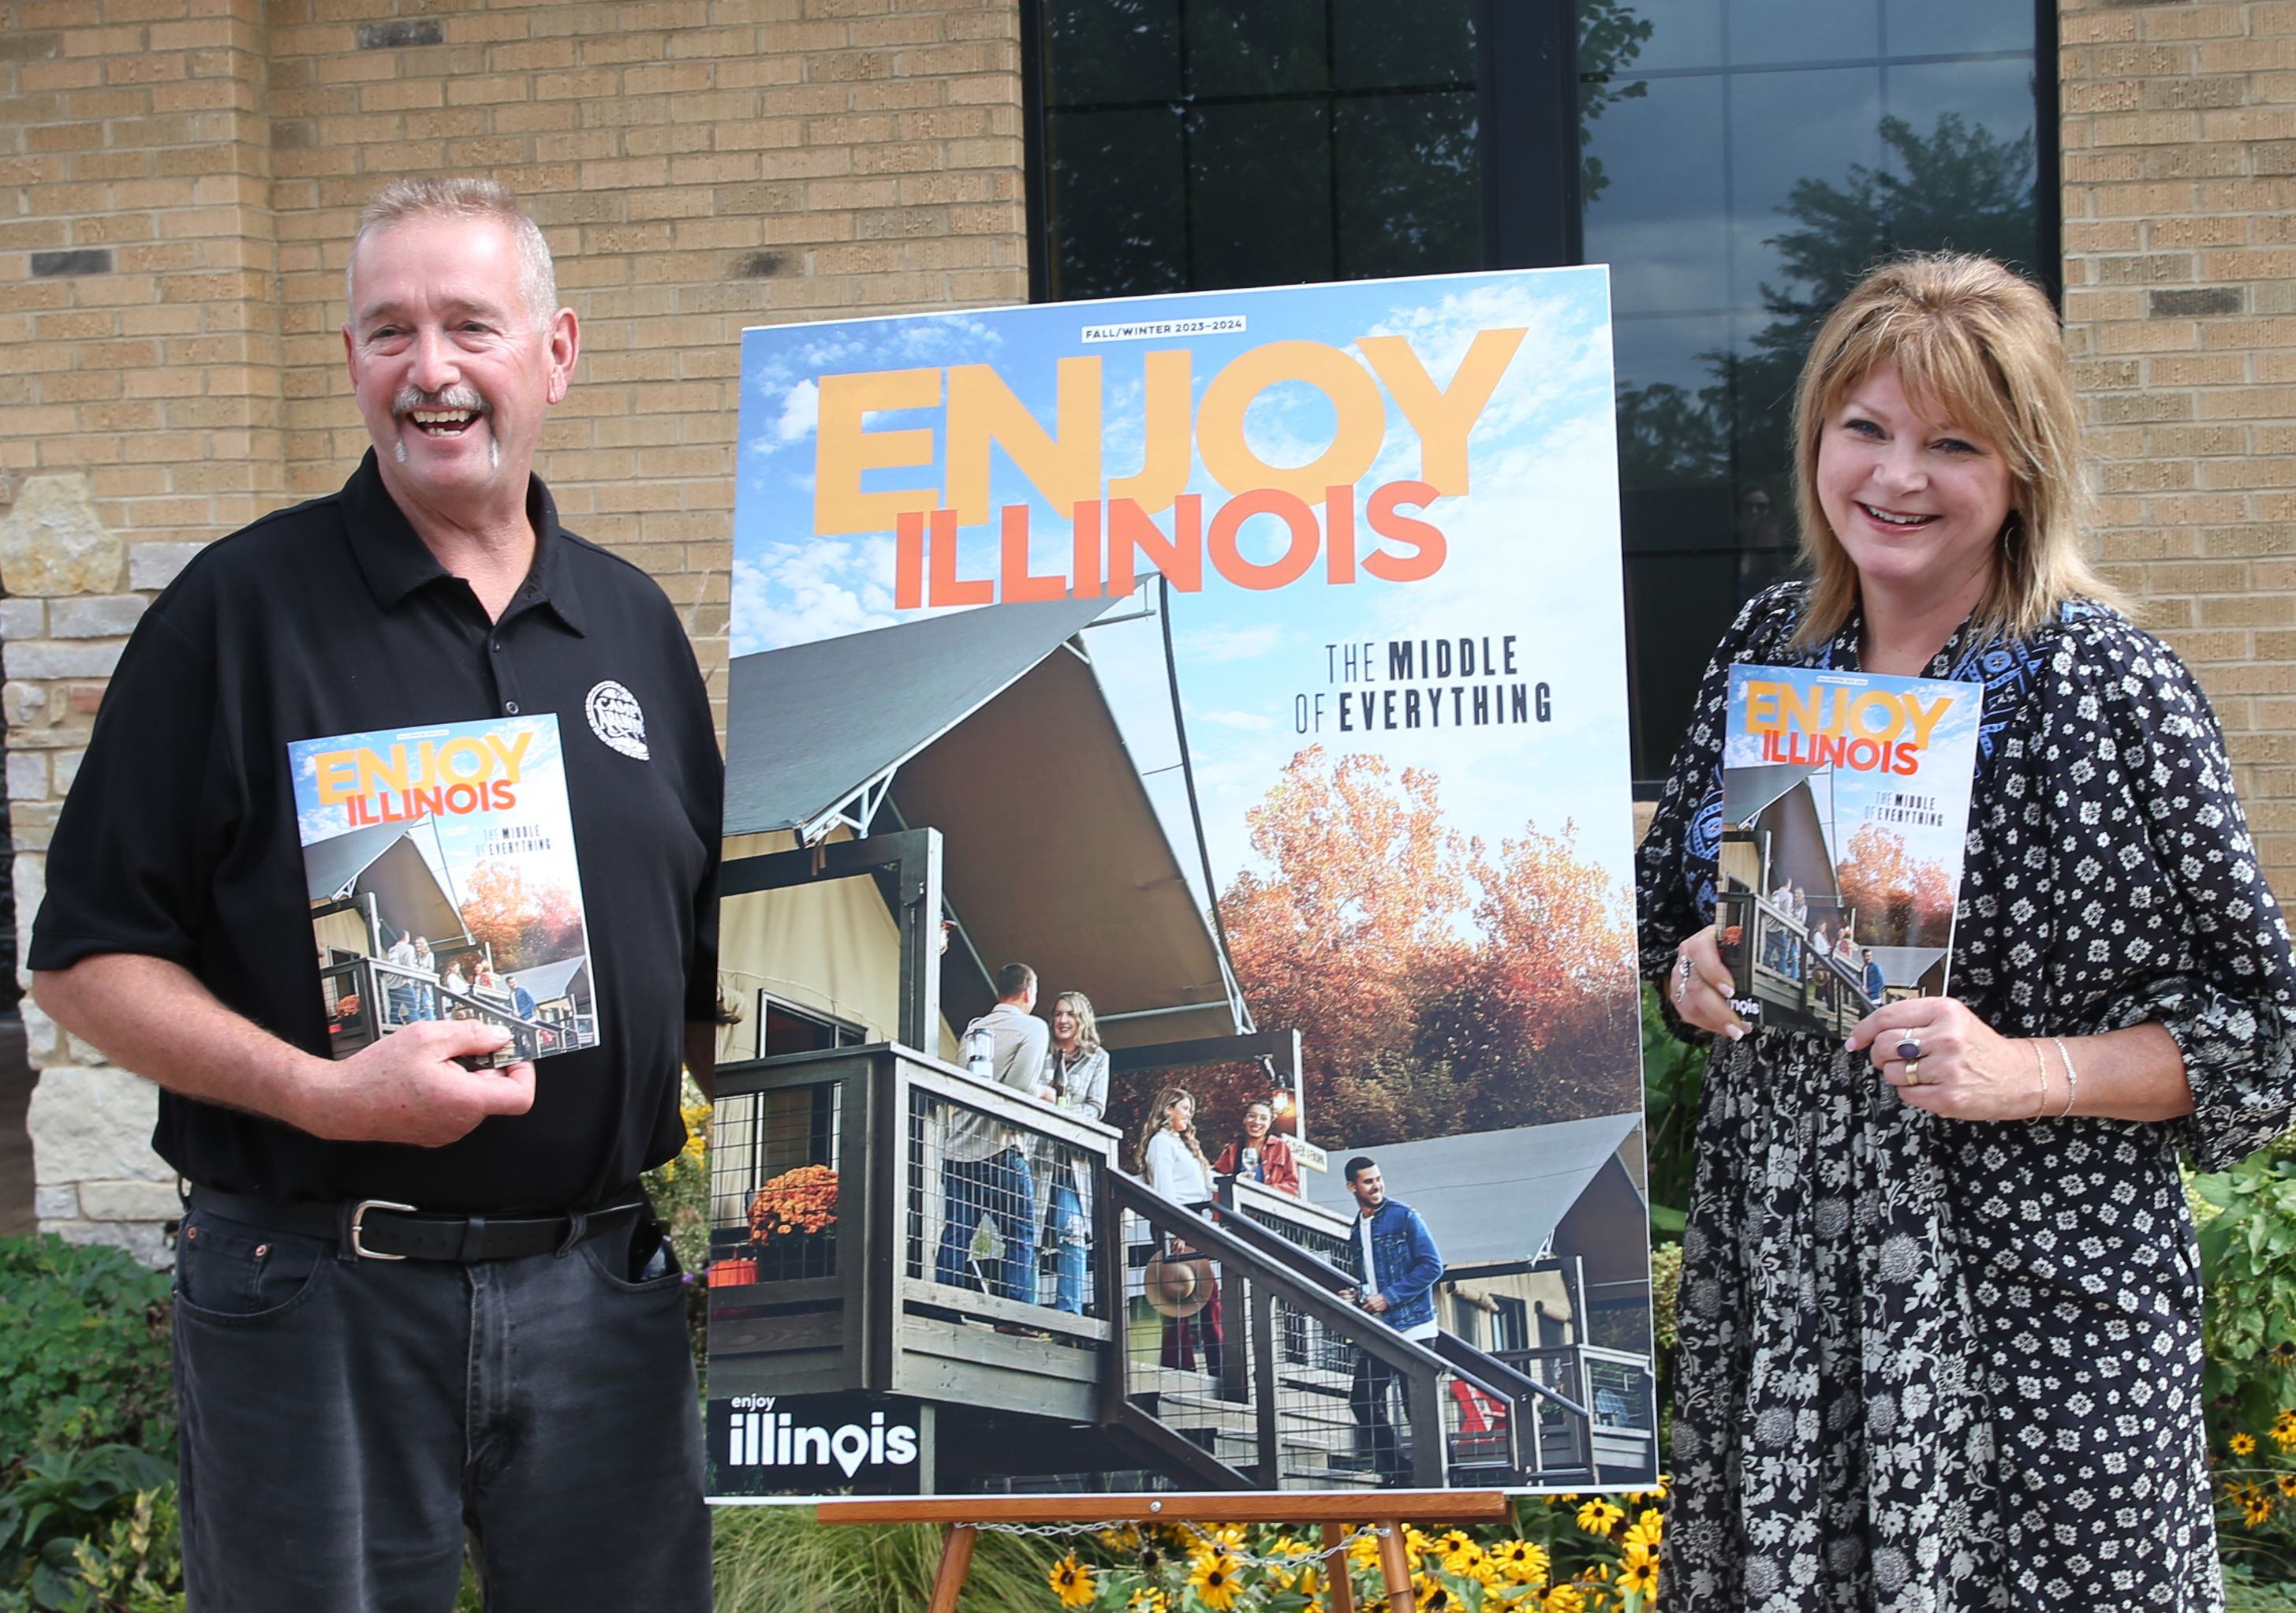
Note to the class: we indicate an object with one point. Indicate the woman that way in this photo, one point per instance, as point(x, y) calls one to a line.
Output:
point(1172, 1162)
point(1940, 1320)
point(1258, 1154)
point(1077, 1080)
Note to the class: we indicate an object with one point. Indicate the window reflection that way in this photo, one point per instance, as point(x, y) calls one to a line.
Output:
point(1750, 159)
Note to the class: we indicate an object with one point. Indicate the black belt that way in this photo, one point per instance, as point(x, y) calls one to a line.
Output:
point(377, 1229)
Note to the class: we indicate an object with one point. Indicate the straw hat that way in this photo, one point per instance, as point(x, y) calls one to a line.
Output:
point(1177, 1286)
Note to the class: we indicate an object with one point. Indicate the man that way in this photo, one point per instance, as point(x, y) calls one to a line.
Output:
point(415, 1301)
point(1394, 1259)
point(401, 956)
point(1875, 984)
point(984, 1168)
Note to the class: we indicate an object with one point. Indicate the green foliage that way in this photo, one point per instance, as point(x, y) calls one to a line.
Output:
point(779, 1560)
point(2248, 1250)
point(1672, 1069)
point(83, 1351)
point(90, 1531)
point(2246, 1594)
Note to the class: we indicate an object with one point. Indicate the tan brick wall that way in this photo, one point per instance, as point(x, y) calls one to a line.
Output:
point(698, 166)
point(2180, 186)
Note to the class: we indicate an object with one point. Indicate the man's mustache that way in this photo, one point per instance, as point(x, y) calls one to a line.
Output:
point(408, 399)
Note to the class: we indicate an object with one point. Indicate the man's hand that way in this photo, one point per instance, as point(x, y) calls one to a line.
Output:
point(154, 1018)
point(407, 1088)
point(1376, 1304)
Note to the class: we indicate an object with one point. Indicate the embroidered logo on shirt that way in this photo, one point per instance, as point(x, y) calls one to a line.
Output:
point(617, 718)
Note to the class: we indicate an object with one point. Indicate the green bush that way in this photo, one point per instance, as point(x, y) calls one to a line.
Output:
point(88, 1433)
point(83, 1351)
point(90, 1531)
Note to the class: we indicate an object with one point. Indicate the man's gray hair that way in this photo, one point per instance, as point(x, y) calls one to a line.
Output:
point(475, 199)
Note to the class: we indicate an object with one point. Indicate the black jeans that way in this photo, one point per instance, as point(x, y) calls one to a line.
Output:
point(1375, 1432)
point(348, 1424)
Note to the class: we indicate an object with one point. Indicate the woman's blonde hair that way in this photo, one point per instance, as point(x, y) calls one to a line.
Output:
point(1981, 343)
point(1087, 1023)
point(1160, 1118)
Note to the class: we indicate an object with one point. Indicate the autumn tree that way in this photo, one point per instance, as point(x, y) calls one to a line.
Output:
point(525, 923)
point(1893, 893)
point(1352, 919)
point(1541, 1024)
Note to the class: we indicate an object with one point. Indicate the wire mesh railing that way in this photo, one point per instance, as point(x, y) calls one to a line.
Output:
point(997, 1208)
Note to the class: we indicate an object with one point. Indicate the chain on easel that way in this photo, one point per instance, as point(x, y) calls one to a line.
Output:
point(1285, 1561)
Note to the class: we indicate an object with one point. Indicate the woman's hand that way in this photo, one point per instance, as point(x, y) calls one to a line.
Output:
point(1699, 987)
point(1959, 1067)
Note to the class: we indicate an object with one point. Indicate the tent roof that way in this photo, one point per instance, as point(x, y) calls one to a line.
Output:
point(1074, 876)
point(807, 727)
point(383, 860)
point(1489, 1197)
point(329, 864)
point(547, 982)
point(1747, 791)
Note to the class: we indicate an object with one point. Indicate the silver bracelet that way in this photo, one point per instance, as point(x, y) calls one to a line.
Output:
point(2040, 1070)
point(2072, 1077)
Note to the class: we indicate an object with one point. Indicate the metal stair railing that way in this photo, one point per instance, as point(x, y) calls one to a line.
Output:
point(1277, 1424)
point(1471, 1363)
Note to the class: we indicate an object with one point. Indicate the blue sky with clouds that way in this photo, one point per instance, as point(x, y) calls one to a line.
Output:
point(1533, 548)
point(541, 791)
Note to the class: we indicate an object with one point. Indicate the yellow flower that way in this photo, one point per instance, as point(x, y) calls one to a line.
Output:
point(1121, 1540)
point(2241, 1445)
point(1599, 1517)
point(1520, 1561)
point(1071, 1581)
point(1212, 1576)
point(1364, 1551)
point(2286, 1484)
point(2283, 1428)
point(1639, 1578)
point(1647, 1529)
point(1227, 1536)
point(1564, 1599)
point(1461, 1556)
point(1147, 1599)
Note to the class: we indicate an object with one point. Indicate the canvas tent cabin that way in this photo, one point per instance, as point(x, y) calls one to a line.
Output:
point(370, 884)
point(1544, 1235)
point(909, 809)
point(988, 728)
point(1777, 830)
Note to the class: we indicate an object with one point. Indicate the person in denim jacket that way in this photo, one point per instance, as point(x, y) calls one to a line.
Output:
point(1393, 1254)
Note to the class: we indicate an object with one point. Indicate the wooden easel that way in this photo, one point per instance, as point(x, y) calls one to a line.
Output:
point(960, 1513)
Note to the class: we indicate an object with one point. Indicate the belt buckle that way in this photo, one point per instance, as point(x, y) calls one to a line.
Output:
point(358, 1225)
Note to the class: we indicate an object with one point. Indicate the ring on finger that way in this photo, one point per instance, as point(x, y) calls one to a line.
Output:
point(1909, 1044)
point(1913, 1072)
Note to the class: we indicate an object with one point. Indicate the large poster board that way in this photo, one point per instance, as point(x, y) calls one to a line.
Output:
point(1249, 665)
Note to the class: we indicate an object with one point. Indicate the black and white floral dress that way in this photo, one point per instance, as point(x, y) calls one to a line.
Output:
point(1930, 1366)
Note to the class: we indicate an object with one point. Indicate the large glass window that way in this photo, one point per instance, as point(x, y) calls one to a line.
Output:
point(1740, 162)
point(1746, 159)
point(1195, 145)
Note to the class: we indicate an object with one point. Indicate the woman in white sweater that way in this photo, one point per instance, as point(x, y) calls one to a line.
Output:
point(1172, 1162)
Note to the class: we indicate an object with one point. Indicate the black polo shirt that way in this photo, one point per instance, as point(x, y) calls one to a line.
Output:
point(178, 838)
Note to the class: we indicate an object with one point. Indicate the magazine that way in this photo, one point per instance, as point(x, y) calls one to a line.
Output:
point(1845, 799)
point(443, 884)
point(1248, 669)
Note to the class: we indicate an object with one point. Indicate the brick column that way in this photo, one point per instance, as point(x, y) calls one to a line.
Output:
point(2180, 186)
